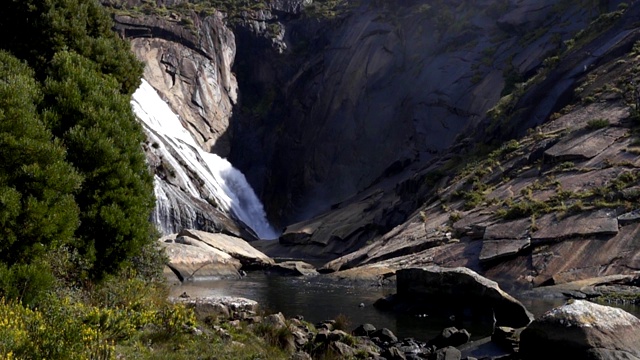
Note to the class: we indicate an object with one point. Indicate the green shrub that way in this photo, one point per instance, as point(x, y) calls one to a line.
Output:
point(342, 322)
point(26, 283)
point(595, 124)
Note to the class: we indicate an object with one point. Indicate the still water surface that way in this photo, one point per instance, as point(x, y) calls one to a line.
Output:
point(316, 300)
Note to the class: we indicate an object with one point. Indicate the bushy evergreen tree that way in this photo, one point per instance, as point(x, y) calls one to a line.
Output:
point(103, 141)
point(37, 207)
point(80, 86)
point(35, 30)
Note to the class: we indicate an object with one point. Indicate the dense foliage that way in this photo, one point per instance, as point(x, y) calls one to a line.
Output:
point(72, 172)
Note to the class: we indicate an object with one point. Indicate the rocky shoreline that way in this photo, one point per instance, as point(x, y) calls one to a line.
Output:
point(578, 329)
point(590, 331)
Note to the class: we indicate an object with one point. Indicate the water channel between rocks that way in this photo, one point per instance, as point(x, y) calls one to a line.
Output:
point(317, 299)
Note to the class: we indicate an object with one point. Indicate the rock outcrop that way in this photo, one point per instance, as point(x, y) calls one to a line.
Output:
point(582, 330)
point(191, 68)
point(198, 255)
point(456, 292)
point(190, 260)
point(234, 246)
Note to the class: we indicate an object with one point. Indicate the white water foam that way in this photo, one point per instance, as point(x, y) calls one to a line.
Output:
point(219, 179)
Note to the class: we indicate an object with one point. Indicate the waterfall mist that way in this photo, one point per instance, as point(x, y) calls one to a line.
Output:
point(201, 174)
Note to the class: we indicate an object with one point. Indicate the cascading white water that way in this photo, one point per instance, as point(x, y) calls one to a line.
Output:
point(218, 179)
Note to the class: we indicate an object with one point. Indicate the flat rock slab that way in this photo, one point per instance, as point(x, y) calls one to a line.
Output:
point(192, 262)
point(203, 303)
point(293, 268)
point(585, 146)
point(508, 230)
point(630, 217)
point(498, 249)
point(600, 222)
point(461, 285)
point(582, 330)
point(234, 246)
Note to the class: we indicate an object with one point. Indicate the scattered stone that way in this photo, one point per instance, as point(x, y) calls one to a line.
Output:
point(412, 348)
point(276, 321)
point(322, 336)
point(393, 353)
point(451, 336)
point(337, 335)
point(301, 355)
point(326, 325)
point(447, 353)
point(343, 350)
point(582, 330)
point(385, 336)
point(629, 218)
point(506, 336)
point(364, 330)
point(222, 306)
point(293, 268)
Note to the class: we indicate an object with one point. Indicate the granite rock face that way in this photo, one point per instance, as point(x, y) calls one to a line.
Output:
point(192, 72)
point(193, 260)
point(354, 130)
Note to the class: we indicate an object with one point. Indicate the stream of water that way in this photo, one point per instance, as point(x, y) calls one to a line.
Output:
point(317, 300)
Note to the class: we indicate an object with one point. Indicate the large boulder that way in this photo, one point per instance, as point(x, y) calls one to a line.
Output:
point(234, 246)
point(194, 260)
point(582, 330)
point(461, 290)
point(293, 268)
point(198, 255)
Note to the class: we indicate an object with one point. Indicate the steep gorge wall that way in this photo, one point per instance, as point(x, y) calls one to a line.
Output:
point(379, 87)
point(315, 110)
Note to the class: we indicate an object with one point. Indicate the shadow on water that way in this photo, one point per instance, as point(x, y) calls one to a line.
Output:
point(316, 300)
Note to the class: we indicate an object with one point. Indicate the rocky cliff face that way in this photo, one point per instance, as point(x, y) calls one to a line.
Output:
point(380, 87)
point(191, 67)
point(377, 128)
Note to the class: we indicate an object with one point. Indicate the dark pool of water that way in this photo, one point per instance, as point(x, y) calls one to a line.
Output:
point(318, 300)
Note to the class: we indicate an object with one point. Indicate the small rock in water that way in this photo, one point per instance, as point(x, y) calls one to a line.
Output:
point(184, 295)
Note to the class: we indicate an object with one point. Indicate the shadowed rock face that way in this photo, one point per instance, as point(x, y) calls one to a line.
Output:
point(463, 288)
point(582, 330)
point(380, 88)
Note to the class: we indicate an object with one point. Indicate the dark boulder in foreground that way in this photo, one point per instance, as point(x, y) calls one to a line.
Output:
point(457, 292)
point(582, 330)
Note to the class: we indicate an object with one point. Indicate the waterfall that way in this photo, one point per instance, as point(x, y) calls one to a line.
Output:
point(198, 173)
